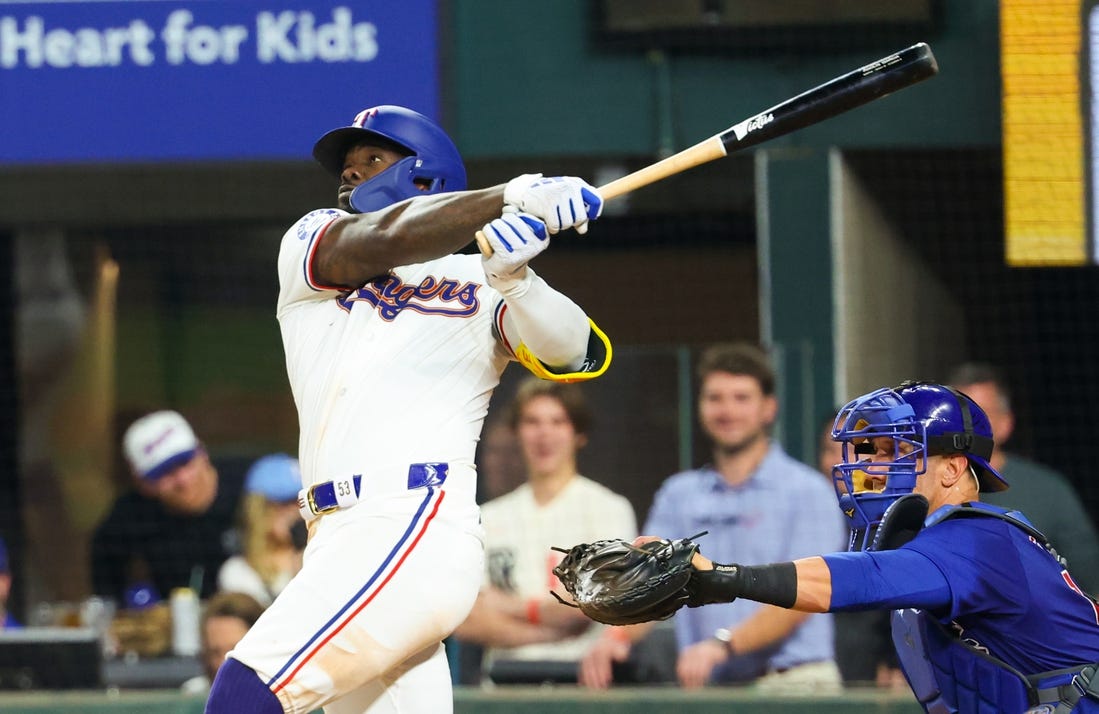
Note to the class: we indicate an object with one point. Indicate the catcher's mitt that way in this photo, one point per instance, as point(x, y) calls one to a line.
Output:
point(618, 583)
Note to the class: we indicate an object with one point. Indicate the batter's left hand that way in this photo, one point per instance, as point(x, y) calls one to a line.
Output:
point(515, 239)
point(561, 201)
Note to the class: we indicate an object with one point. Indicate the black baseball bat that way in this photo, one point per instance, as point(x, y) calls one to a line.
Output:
point(836, 96)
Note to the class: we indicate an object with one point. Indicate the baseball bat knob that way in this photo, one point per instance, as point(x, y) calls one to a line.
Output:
point(483, 244)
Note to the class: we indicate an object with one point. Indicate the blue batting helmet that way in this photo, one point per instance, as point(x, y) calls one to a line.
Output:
point(433, 164)
point(923, 419)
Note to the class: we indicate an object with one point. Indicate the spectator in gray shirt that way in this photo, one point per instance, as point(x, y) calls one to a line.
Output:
point(1046, 496)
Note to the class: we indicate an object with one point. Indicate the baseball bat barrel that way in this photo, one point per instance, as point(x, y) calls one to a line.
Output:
point(836, 96)
point(865, 84)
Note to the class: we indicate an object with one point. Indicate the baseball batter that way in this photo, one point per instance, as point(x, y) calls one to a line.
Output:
point(394, 345)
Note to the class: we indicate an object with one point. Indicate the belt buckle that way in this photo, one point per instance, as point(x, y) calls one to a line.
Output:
point(320, 511)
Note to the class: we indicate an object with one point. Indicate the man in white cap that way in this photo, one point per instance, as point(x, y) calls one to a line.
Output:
point(177, 527)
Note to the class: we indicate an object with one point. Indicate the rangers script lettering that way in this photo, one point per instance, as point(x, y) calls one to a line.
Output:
point(391, 296)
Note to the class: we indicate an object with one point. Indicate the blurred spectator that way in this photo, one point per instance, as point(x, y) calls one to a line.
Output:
point(272, 531)
point(1046, 496)
point(864, 641)
point(7, 621)
point(499, 461)
point(499, 470)
point(142, 625)
point(515, 615)
point(758, 505)
point(829, 452)
point(176, 527)
point(225, 619)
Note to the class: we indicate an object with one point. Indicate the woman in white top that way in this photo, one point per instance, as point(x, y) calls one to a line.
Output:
point(272, 531)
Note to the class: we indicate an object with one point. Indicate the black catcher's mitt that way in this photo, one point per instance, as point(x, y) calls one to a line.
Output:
point(618, 583)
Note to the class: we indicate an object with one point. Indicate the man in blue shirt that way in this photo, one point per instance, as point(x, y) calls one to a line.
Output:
point(986, 615)
point(7, 622)
point(758, 505)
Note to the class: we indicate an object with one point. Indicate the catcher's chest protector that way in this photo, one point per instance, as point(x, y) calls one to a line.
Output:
point(947, 675)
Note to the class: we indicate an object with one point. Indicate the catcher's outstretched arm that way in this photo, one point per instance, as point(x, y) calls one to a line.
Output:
point(804, 584)
point(620, 583)
point(814, 585)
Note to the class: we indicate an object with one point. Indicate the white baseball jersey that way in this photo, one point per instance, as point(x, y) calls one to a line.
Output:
point(519, 535)
point(397, 372)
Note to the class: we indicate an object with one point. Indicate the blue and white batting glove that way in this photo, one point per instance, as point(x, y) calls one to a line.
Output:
point(561, 201)
point(515, 238)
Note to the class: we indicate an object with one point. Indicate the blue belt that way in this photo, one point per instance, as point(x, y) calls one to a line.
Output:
point(321, 498)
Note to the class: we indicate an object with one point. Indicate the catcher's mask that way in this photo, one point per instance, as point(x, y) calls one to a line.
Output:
point(433, 164)
point(922, 419)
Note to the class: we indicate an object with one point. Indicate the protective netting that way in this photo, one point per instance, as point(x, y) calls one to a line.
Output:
point(114, 313)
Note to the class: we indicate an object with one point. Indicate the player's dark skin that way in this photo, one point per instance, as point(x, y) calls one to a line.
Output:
point(362, 246)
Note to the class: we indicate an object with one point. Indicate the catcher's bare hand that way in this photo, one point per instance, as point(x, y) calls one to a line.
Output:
point(699, 561)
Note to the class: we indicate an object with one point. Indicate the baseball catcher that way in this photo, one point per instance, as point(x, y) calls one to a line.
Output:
point(971, 633)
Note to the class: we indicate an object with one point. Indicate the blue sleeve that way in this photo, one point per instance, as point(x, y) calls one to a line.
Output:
point(980, 560)
point(891, 579)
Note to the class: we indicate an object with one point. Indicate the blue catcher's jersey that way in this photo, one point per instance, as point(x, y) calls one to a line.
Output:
point(1009, 595)
point(987, 580)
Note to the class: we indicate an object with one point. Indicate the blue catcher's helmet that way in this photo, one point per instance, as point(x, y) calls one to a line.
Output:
point(932, 420)
point(433, 164)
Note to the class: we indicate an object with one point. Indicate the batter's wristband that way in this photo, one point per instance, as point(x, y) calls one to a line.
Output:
point(534, 611)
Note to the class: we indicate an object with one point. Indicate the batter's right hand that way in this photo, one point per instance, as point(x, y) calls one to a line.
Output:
point(561, 201)
point(515, 239)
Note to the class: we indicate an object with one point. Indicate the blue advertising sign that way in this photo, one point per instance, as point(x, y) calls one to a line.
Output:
point(198, 80)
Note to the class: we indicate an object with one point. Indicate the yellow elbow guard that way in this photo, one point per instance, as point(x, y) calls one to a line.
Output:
point(596, 363)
